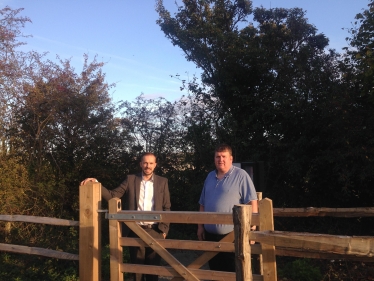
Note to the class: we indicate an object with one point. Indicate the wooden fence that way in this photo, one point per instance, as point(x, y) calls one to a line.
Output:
point(358, 247)
point(36, 250)
point(285, 243)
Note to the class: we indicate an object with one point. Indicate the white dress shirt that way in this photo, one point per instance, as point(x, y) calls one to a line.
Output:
point(146, 197)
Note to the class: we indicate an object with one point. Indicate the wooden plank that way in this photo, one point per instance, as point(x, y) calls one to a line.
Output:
point(279, 251)
point(346, 245)
point(258, 263)
point(324, 212)
point(242, 226)
point(170, 272)
point(37, 251)
point(170, 259)
point(40, 220)
point(186, 217)
point(182, 244)
point(269, 268)
point(189, 245)
point(115, 232)
point(89, 232)
point(204, 258)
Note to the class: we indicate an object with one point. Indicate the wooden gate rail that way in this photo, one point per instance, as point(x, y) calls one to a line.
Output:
point(188, 245)
point(360, 246)
point(324, 212)
point(175, 217)
point(307, 253)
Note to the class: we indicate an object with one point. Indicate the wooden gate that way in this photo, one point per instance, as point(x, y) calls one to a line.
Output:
point(241, 217)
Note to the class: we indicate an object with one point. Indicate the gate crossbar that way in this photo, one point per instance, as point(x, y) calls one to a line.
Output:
point(169, 258)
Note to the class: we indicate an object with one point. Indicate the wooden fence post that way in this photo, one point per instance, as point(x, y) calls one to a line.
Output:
point(89, 232)
point(257, 262)
point(242, 217)
point(115, 233)
point(269, 268)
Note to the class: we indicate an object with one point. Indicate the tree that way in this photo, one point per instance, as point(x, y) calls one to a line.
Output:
point(272, 81)
point(15, 67)
point(66, 126)
point(357, 68)
point(282, 97)
point(153, 126)
point(360, 56)
point(245, 67)
point(57, 127)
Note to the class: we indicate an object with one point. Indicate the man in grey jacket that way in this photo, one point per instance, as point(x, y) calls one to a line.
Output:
point(143, 192)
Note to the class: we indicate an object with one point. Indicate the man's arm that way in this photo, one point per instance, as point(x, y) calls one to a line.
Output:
point(254, 204)
point(200, 227)
point(166, 205)
point(109, 194)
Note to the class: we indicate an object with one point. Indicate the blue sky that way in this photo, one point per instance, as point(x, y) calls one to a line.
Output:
point(124, 34)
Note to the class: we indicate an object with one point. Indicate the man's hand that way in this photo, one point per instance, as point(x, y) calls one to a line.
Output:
point(87, 180)
point(253, 228)
point(200, 232)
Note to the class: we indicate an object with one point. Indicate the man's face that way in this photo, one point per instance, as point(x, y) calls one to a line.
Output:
point(148, 164)
point(223, 161)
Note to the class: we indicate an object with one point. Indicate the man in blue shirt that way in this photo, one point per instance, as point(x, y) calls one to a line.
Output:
point(223, 188)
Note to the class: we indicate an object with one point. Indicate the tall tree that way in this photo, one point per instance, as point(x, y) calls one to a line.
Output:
point(249, 69)
point(153, 126)
point(14, 69)
point(14, 66)
point(279, 89)
point(67, 127)
point(357, 68)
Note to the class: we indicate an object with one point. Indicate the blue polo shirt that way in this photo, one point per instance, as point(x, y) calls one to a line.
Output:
point(236, 187)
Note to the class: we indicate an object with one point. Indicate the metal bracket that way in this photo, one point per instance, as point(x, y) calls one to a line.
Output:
point(132, 217)
point(102, 211)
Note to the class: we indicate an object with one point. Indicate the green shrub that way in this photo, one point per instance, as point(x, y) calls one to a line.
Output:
point(300, 270)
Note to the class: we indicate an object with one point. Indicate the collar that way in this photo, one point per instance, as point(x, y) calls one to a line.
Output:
point(151, 179)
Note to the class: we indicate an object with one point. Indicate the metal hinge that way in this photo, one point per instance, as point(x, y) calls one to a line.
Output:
point(132, 217)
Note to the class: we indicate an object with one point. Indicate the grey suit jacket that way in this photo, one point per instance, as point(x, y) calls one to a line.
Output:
point(128, 191)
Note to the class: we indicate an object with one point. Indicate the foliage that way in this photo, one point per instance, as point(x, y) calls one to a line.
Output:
point(14, 188)
point(152, 125)
point(360, 55)
point(357, 78)
point(300, 270)
point(28, 268)
point(105, 262)
point(336, 270)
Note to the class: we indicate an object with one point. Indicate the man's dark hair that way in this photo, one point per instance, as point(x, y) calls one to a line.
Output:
point(223, 147)
point(148, 154)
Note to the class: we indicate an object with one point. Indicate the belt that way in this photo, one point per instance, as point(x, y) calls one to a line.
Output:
point(147, 226)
